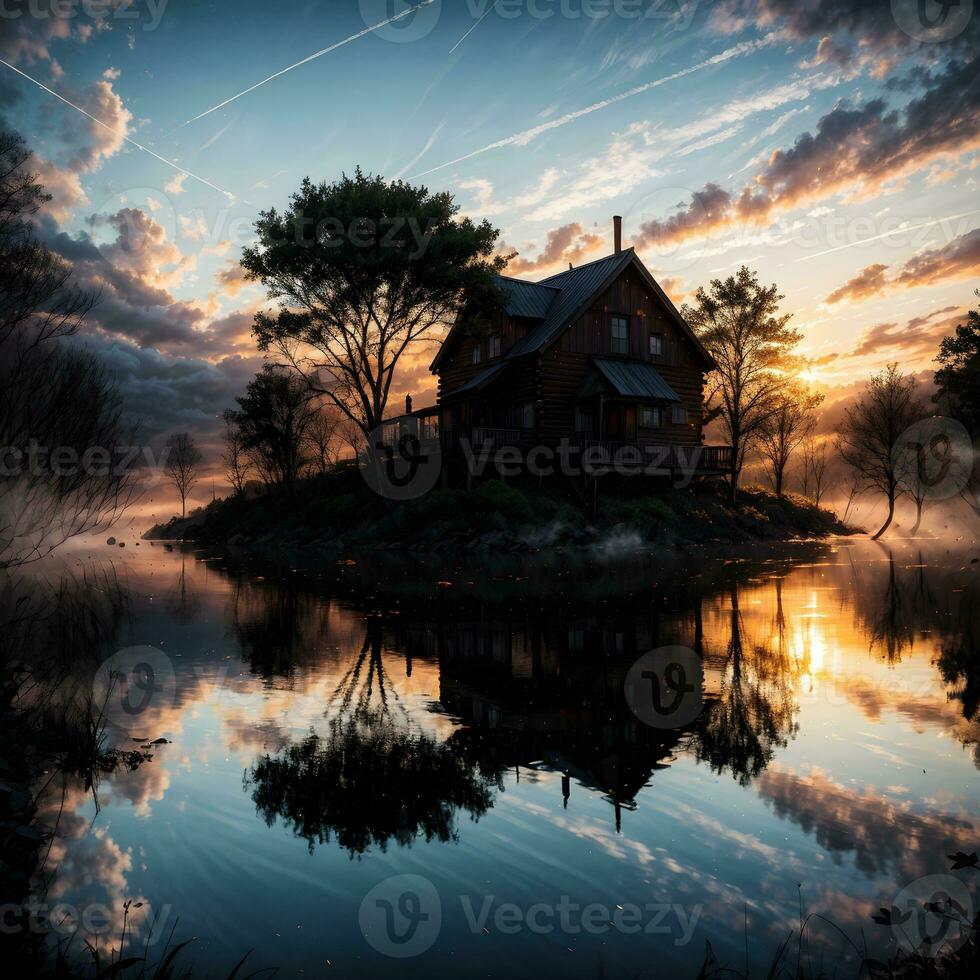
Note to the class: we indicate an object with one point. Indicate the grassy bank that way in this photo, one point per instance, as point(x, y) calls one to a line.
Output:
point(338, 511)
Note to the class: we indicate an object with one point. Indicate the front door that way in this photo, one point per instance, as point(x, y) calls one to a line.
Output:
point(619, 423)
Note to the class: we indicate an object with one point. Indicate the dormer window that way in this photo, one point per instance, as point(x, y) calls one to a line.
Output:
point(493, 346)
point(477, 354)
point(619, 335)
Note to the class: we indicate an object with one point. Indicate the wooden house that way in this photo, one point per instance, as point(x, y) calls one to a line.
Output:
point(597, 355)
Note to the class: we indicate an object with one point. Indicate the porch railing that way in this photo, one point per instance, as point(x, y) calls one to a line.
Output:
point(632, 454)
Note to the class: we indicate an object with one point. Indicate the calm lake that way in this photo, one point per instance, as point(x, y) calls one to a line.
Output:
point(334, 727)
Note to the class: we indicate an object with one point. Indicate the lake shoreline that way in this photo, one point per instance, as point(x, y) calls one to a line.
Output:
point(338, 512)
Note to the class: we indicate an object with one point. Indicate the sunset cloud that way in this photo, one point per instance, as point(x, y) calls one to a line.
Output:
point(959, 259)
point(919, 336)
point(568, 243)
point(869, 281)
point(856, 150)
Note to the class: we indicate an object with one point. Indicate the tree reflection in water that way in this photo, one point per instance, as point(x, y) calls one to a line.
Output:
point(754, 713)
point(368, 782)
point(371, 778)
point(542, 684)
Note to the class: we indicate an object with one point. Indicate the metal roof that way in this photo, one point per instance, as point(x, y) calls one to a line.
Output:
point(479, 380)
point(528, 299)
point(634, 379)
point(556, 301)
point(576, 287)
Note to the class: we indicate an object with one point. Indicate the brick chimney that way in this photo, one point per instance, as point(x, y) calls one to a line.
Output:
point(408, 404)
point(618, 232)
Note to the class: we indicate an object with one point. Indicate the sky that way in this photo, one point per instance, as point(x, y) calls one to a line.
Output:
point(830, 146)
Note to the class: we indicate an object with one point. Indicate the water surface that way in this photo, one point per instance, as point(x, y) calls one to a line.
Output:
point(333, 724)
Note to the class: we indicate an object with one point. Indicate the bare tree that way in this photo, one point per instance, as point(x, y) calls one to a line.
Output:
point(183, 465)
point(739, 323)
point(789, 422)
point(61, 418)
point(323, 440)
point(853, 490)
point(814, 468)
point(868, 437)
point(235, 457)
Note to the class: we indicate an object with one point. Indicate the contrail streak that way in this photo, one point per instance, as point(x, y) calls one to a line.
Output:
point(525, 137)
point(889, 234)
point(116, 132)
point(312, 57)
point(486, 13)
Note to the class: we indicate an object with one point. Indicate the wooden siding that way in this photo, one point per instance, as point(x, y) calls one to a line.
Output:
point(551, 379)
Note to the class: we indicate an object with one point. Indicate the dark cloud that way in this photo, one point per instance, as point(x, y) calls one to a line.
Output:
point(855, 149)
point(173, 393)
point(845, 30)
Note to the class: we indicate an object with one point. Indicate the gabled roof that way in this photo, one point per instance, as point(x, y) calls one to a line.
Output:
point(558, 300)
point(576, 287)
point(527, 299)
point(631, 379)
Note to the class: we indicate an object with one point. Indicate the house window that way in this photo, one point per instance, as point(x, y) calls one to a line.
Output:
point(476, 353)
point(651, 417)
point(679, 414)
point(493, 345)
point(527, 415)
point(656, 345)
point(619, 335)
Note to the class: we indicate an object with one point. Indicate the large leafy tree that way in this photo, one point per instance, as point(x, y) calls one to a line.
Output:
point(739, 322)
point(362, 270)
point(958, 380)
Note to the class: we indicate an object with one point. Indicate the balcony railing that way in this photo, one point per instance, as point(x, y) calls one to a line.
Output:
point(621, 454)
